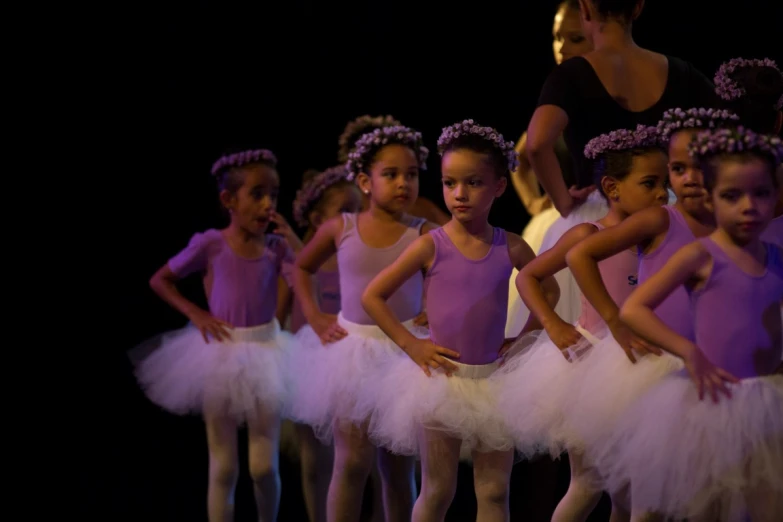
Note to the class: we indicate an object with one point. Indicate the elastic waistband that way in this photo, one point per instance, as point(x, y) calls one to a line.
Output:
point(260, 333)
point(473, 371)
point(368, 330)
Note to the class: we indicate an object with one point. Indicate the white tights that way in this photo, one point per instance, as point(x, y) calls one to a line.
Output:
point(263, 441)
point(353, 461)
point(439, 463)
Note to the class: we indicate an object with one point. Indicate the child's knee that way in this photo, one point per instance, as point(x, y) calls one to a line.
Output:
point(492, 492)
point(264, 471)
point(223, 469)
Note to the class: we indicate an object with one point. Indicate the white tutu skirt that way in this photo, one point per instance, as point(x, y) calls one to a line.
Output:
point(336, 382)
point(461, 406)
point(603, 384)
point(687, 458)
point(531, 388)
point(242, 378)
point(538, 226)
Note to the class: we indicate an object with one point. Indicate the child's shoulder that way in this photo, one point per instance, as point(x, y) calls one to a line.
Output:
point(515, 243)
point(207, 237)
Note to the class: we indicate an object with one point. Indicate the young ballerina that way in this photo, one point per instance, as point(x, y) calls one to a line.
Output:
point(687, 452)
point(228, 365)
point(629, 167)
point(467, 264)
point(753, 89)
point(333, 384)
point(422, 207)
point(321, 198)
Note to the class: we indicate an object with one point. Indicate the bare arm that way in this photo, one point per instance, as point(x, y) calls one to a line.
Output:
point(523, 178)
point(583, 258)
point(691, 264)
point(638, 312)
point(522, 257)
point(416, 257)
point(284, 300)
point(545, 127)
point(163, 283)
point(314, 254)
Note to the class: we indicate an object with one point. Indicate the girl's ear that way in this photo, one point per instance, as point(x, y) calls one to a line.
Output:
point(227, 199)
point(363, 180)
point(609, 187)
point(501, 185)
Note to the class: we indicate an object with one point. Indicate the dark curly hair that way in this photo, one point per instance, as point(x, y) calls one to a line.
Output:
point(359, 127)
point(763, 88)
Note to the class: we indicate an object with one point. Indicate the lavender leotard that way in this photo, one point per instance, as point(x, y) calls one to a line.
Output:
point(359, 264)
point(620, 276)
point(675, 311)
point(738, 320)
point(240, 291)
point(467, 299)
point(774, 232)
point(328, 294)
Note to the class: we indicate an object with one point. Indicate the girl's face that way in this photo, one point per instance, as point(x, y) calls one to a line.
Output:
point(685, 176)
point(470, 184)
point(252, 205)
point(393, 180)
point(568, 39)
point(744, 198)
point(337, 200)
point(645, 185)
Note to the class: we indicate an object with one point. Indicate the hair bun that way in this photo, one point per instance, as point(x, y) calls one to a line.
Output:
point(763, 82)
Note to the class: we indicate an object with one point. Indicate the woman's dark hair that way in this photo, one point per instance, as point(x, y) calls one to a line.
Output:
point(709, 165)
point(621, 10)
point(480, 145)
point(763, 86)
point(617, 164)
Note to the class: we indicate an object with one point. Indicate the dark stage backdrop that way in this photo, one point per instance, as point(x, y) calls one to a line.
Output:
point(205, 76)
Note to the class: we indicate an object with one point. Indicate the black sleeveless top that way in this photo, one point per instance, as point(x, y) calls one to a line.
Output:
point(575, 87)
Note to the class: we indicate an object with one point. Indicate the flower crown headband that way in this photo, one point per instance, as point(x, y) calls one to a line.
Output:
point(728, 89)
point(721, 141)
point(243, 158)
point(358, 127)
point(701, 118)
point(619, 140)
point(493, 137)
point(312, 191)
point(369, 143)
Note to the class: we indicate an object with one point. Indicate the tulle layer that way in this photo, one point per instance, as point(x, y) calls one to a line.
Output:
point(242, 378)
point(689, 458)
point(531, 388)
point(602, 385)
point(462, 406)
point(336, 382)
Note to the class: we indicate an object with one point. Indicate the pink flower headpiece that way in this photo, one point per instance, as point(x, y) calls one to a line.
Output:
point(369, 144)
point(728, 141)
point(312, 191)
point(357, 128)
point(728, 89)
point(701, 118)
point(243, 158)
point(643, 137)
point(492, 136)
